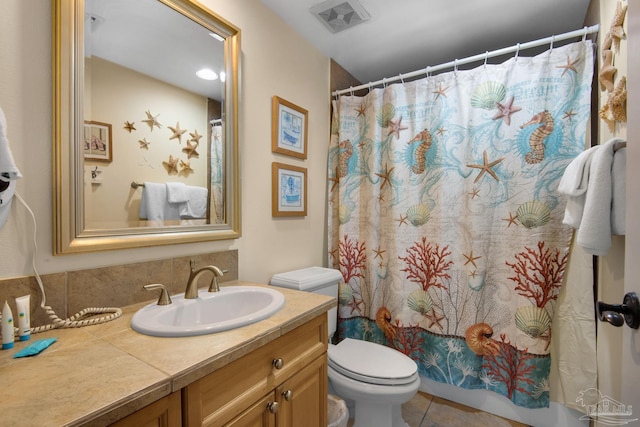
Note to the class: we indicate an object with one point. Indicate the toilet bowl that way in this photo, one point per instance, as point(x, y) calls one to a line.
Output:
point(376, 378)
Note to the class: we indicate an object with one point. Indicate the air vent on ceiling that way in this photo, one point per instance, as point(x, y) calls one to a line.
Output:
point(338, 15)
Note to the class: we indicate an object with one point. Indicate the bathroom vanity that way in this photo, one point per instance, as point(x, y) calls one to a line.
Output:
point(270, 373)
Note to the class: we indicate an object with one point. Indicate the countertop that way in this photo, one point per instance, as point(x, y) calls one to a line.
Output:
point(98, 374)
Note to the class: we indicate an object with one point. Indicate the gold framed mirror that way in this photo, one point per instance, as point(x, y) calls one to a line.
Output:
point(145, 152)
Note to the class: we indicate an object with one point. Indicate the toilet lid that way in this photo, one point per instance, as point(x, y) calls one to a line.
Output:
point(371, 363)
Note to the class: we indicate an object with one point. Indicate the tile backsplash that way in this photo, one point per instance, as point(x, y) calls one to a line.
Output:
point(115, 286)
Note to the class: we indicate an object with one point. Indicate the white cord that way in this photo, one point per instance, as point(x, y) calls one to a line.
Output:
point(78, 320)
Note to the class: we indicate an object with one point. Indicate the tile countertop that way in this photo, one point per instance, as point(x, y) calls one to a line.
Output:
point(99, 374)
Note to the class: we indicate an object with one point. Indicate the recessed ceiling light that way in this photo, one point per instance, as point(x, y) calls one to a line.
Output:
point(207, 74)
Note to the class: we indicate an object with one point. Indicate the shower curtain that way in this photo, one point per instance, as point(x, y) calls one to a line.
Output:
point(217, 173)
point(444, 218)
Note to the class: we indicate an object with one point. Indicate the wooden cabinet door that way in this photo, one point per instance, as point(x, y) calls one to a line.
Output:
point(303, 398)
point(165, 412)
point(257, 415)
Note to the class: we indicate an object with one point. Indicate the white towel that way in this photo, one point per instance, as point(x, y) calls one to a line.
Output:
point(574, 183)
point(177, 192)
point(154, 205)
point(196, 206)
point(619, 184)
point(594, 234)
point(8, 169)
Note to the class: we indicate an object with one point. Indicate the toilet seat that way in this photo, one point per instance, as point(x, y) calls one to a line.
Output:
point(372, 363)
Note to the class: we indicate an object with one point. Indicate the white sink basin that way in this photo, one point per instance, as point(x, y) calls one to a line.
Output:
point(232, 307)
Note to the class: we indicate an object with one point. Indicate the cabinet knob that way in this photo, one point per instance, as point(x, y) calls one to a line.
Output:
point(287, 394)
point(278, 363)
point(272, 407)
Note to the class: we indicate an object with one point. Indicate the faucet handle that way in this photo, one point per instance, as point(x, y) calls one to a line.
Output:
point(164, 299)
point(217, 272)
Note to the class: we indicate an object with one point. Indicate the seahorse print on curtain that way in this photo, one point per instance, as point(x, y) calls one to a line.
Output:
point(445, 221)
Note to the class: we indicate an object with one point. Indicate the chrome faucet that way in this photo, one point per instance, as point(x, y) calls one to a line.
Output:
point(192, 284)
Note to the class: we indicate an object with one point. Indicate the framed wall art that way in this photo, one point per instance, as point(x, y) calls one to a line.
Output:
point(289, 128)
point(289, 190)
point(98, 141)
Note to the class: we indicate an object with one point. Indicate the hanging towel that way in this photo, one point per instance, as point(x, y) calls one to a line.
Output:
point(177, 192)
point(574, 183)
point(196, 206)
point(594, 233)
point(154, 204)
point(619, 185)
point(8, 169)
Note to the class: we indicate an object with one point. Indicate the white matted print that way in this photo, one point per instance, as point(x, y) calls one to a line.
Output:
point(289, 190)
point(289, 128)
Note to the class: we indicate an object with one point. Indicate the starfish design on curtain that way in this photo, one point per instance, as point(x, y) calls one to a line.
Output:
point(569, 115)
point(129, 126)
point(386, 179)
point(152, 120)
point(486, 167)
point(471, 259)
point(506, 110)
point(177, 132)
point(361, 110)
point(441, 91)
point(396, 127)
point(568, 66)
point(511, 220)
point(379, 253)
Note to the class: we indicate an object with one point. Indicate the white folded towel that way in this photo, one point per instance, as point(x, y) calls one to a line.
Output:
point(594, 233)
point(8, 169)
point(574, 183)
point(619, 185)
point(154, 204)
point(196, 205)
point(177, 192)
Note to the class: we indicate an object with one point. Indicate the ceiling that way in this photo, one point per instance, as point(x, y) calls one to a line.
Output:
point(407, 35)
point(151, 38)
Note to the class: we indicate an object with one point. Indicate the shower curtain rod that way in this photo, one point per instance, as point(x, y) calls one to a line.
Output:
point(483, 56)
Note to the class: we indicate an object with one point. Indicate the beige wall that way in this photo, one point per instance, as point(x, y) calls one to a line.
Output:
point(275, 61)
point(120, 94)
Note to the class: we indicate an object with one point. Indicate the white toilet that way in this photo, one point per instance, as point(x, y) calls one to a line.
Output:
point(375, 378)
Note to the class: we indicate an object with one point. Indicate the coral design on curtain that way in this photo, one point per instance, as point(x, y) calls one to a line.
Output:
point(445, 221)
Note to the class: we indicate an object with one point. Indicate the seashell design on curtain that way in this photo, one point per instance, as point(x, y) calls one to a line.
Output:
point(445, 221)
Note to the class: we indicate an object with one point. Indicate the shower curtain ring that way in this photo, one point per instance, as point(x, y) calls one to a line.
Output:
point(427, 71)
point(553, 39)
point(400, 77)
point(351, 90)
point(486, 58)
point(384, 82)
point(584, 36)
point(517, 51)
point(455, 65)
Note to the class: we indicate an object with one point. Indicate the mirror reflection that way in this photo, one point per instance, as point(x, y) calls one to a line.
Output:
point(152, 117)
point(152, 150)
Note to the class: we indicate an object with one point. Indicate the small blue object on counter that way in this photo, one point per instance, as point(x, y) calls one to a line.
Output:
point(36, 348)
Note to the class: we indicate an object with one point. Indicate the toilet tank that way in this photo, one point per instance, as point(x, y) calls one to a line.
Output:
point(318, 280)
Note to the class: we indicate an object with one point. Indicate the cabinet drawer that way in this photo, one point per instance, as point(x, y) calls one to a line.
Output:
point(227, 392)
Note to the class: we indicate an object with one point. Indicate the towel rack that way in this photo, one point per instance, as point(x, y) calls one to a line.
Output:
point(618, 145)
point(135, 185)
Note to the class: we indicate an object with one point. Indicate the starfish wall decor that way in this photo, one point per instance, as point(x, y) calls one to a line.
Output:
point(152, 120)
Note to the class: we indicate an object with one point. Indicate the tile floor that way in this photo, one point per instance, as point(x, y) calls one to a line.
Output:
point(428, 411)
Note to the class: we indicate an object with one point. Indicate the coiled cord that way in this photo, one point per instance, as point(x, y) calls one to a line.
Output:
point(79, 319)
